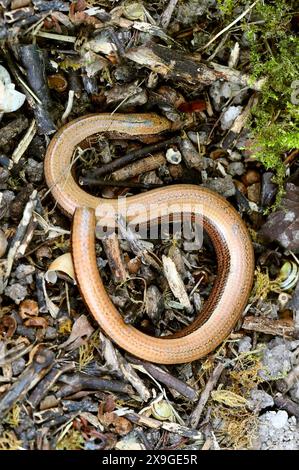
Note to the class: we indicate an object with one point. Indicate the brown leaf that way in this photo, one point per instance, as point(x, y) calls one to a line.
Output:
point(121, 426)
point(81, 331)
point(282, 225)
point(36, 322)
point(28, 308)
point(8, 326)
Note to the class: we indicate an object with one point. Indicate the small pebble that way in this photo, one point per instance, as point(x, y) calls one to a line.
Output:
point(18, 366)
point(236, 168)
point(254, 192)
point(24, 273)
point(7, 198)
point(199, 137)
point(259, 400)
point(229, 116)
point(221, 91)
point(34, 170)
point(251, 177)
point(245, 344)
point(240, 187)
point(234, 156)
point(224, 186)
point(16, 292)
point(4, 175)
point(50, 333)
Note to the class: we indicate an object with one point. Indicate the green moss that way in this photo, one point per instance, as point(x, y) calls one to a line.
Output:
point(274, 51)
point(275, 119)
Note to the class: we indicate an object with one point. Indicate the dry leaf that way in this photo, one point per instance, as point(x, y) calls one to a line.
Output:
point(81, 331)
point(282, 225)
point(63, 264)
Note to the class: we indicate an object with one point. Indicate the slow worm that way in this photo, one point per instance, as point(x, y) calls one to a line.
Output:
point(223, 224)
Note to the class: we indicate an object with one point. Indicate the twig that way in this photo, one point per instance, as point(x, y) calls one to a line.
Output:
point(23, 144)
point(231, 24)
point(20, 234)
point(269, 326)
point(69, 106)
point(150, 163)
point(113, 253)
point(46, 384)
point(239, 123)
point(210, 385)
point(116, 363)
point(56, 37)
point(41, 364)
point(167, 14)
point(167, 379)
point(170, 427)
point(287, 404)
point(88, 181)
point(131, 157)
point(77, 382)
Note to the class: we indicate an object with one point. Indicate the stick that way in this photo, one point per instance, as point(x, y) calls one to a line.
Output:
point(167, 14)
point(287, 404)
point(131, 157)
point(77, 382)
point(167, 379)
point(210, 385)
point(116, 363)
point(113, 253)
point(87, 181)
point(170, 427)
point(41, 364)
point(268, 326)
point(231, 24)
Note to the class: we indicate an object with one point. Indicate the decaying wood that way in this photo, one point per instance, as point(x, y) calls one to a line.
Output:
point(167, 379)
point(235, 76)
point(77, 382)
point(269, 326)
point(285, 403)
point(20, 234)
point(42, 362)
point(131, 157)
point(138, 168)
point(166, 426)
point(13, 129)
point(173, 64)
point(176, 65)
point(115, 362)
point(47, 382)
point(114, 257)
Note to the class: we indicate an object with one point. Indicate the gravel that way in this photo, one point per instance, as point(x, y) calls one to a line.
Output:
point(277, 431)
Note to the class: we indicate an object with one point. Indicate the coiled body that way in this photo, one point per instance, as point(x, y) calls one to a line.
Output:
point(223, 224)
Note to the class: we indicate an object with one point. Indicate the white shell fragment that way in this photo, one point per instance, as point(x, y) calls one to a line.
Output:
point(162, 410)
point(10, 99)
point(173, 156)
point(63, 264)
point(289, 275)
